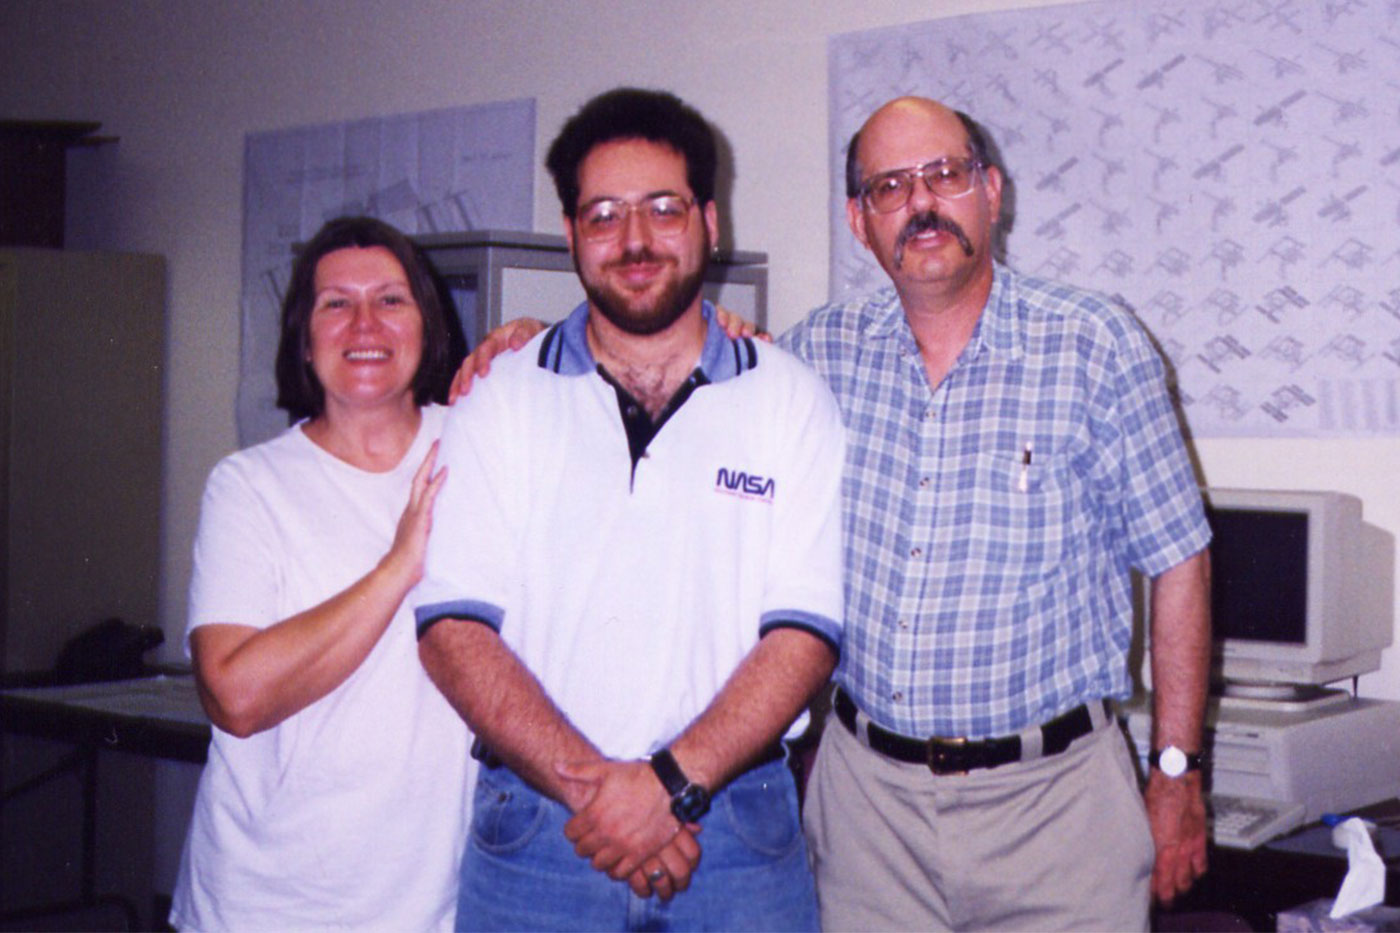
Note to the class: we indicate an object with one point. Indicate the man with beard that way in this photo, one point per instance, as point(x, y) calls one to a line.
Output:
point(634, 587)
point(1013, 453)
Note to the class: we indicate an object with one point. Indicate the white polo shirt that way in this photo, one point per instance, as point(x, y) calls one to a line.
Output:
point(632, 595)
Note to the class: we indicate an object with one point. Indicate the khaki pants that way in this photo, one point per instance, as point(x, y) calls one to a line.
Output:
point(1057, 843)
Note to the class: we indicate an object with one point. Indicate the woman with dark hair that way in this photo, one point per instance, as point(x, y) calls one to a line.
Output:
point(336, 787)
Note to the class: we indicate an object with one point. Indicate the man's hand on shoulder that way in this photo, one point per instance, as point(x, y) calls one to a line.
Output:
point(627, 818)
point(1176, 811)
point(736, 326)
point(512, 335)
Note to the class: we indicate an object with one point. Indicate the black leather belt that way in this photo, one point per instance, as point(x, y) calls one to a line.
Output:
point(958, 756)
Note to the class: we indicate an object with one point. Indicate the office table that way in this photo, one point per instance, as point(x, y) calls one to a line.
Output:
point(1256, 885)
point(157, 717)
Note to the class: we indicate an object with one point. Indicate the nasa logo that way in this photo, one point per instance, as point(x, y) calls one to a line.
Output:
point(745, 485)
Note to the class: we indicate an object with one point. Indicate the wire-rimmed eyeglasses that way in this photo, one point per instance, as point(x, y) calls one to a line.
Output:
point(664, 215)
point(949, 177)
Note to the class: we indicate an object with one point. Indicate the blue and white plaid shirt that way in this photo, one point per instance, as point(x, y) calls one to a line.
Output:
point(992, 522)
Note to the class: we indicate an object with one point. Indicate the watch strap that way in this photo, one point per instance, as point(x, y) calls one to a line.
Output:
point(669, 772)
point(1195, 761)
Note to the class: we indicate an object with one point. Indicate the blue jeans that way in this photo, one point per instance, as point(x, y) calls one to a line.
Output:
point(520, 873)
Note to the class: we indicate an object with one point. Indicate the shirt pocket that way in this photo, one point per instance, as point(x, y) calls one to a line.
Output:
point(1023, 522)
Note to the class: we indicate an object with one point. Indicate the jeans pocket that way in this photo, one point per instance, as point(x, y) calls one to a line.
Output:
point(506, 814)
point(763, 813)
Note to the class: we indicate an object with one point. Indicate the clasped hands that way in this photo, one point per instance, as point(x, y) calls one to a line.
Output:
point(623, 825)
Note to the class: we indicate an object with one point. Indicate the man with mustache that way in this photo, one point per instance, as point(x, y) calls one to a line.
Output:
point(1013, 453)
point(634, 586)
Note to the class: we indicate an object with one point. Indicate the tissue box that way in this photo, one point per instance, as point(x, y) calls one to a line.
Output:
point(1313, 916)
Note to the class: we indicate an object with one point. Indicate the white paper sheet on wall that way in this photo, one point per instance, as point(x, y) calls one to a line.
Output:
point(1229, 168)
point(465, 168)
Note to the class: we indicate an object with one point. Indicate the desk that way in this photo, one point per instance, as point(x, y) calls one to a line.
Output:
point(157, 717)
point(1292, 870)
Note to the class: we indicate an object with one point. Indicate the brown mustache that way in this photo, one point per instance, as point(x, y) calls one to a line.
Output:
point(637, 257)
point(928, 222)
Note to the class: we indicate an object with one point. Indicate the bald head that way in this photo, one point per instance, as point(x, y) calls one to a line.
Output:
point(911, 115)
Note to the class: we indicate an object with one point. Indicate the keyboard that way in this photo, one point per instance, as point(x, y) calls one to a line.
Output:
point(1249, 822)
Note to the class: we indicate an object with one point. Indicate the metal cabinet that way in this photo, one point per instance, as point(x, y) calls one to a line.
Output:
point(82, 353)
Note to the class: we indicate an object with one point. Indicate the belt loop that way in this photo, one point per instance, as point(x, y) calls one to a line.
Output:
point(1098, 713)
point(1032, 744)
point(862, 727)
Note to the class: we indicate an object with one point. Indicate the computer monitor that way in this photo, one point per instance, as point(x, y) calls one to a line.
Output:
point(1288, 603)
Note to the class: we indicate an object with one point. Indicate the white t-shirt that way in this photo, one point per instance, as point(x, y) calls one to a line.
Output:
point(352, 812)
point(633, 595)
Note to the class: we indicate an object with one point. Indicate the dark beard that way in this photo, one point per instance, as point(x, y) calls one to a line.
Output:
point(669, 305)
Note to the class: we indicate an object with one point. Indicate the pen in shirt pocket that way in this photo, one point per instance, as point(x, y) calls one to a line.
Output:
point(1024, 483)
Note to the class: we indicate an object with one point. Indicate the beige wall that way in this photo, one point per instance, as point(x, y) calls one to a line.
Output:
point(182, 81)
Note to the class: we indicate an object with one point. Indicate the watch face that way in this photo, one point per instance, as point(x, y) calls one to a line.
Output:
point(691, 804)
point(1172, 761)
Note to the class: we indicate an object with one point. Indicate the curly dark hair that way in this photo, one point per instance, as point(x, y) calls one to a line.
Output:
point(634, 113)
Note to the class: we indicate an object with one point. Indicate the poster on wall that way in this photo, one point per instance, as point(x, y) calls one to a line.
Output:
point(439, 171)
point(1230, 169)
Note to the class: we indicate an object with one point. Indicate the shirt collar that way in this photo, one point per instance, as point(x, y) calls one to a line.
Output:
point(998, 329)
point(1001, 328)
point(570, 355)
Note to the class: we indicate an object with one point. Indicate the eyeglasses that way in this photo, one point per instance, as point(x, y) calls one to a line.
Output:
point(950, 177)
point(664, 214)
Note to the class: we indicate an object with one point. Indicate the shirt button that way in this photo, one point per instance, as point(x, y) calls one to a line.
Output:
point(916, 552)
point(928, 414)
point(631, 411)
point(897, 696)
point(904, 623)
point(923, 482)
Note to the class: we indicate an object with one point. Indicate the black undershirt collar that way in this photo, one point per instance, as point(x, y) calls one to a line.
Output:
point(641, 430)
